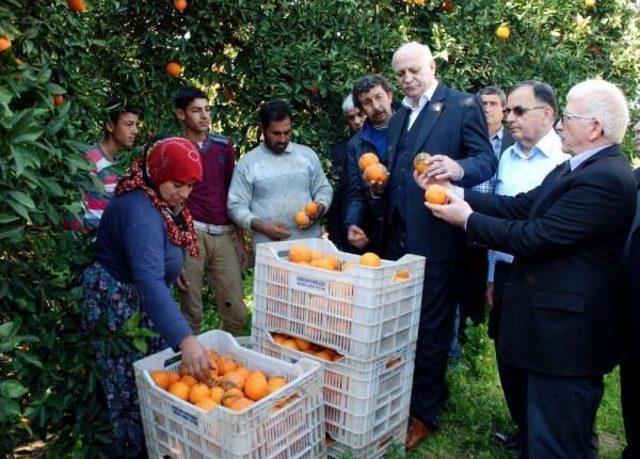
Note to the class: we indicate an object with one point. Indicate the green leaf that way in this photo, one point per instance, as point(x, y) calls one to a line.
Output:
point(140, 344)
point(20, 209)
point(30, 358)
point(12, 232)
point(7, 329)
point(9, 409)
point(23, 199)
point(6, 218)
point(12, 389)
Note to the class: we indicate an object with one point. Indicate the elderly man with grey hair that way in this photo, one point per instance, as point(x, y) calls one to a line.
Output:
point(564, 322)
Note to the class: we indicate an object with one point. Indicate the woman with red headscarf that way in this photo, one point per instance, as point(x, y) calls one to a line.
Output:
point(140, 249)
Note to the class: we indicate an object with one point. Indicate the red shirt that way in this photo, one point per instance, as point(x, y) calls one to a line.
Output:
point(208, 200)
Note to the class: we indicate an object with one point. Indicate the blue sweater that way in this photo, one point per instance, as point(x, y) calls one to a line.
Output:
point(134, 246)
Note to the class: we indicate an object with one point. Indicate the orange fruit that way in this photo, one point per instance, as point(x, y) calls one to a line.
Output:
point(161, 379)
point(239, 403)
point(174, 69)
point(180, 389)
point(279, 338)
point(256, 386)
point(77, 5)
point(323, 263)
point(173, 377)
point(199, 392)
point(376, 173)
point(232, 379)
point(503, 32)
point(216, 393)
point(370, 259)
point(5, 44)
point(302, 344)
point(207, 404)
point(419, 162)
point(226, 364)
point(243, 371)
point(436, 194)
point(276, 382)
point(290, 344)
point(189, 380)
point(58, 100)
point(401, 276)
point(180, 5)
point(334, 261)
point(312, 210)
point(299, 253)
point(325, 354)
point(302, 219)
point(316, 254)
point(231, 395)
point(366, 160)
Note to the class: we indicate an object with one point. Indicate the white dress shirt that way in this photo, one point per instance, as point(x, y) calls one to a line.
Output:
point(424, 98)
point(519, 173)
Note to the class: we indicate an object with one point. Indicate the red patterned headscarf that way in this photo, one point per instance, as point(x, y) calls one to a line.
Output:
point(173, 158)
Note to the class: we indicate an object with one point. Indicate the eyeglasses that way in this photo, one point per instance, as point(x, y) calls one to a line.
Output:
point(570, 116)
point(519, 110)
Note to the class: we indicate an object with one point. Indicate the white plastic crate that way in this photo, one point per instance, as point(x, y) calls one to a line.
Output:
point(363, 399)
point(377, 449)
point(178, 429)
point(362, 312)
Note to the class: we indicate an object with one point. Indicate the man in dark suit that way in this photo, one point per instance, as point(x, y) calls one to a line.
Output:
point(563, 325)
point(474, 263)
point(450, 126)
point(630, 366)
point(335, 216)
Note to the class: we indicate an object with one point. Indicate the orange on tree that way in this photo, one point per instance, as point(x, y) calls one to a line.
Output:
point(180, 5)
point(370, 259)
point(590, 3)
point(5, 44)
point(174, 69)
point(58, 100)
point(436, 194)
point(503, 32)
point(366, 160)
point(77, 5)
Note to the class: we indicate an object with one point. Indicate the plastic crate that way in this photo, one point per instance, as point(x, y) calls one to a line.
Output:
point(362, 312)
point(178, 429)
point(363, 399)
point(395, 438)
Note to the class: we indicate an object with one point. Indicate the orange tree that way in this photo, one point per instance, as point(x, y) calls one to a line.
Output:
point(242, 53)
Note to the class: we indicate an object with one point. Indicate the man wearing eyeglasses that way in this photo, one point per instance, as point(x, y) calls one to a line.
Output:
point(630, 366)
point(531, 112)
point(562, 320)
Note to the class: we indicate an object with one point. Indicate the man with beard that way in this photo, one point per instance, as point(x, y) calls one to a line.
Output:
point(221, 243)
point(374, 96)
point(275, 180)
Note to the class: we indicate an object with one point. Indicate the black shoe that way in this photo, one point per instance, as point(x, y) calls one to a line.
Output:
point(509, 441)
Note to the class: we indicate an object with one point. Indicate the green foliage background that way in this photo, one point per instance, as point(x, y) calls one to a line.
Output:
point(242, 53)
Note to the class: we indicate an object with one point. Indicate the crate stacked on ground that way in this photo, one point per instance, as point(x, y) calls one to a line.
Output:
point(368, 318)
point(288, 423)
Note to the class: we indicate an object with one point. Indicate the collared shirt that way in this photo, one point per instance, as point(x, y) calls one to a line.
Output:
point(424, 99)
point(96, 201)
point(578, 159)
point(519, 173)
point(274, 187)
point(496, 142)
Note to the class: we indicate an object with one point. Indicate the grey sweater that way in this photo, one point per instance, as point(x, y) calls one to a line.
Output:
point(274, 187)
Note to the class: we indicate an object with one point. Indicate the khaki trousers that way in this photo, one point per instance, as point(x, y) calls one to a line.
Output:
point(219, 260)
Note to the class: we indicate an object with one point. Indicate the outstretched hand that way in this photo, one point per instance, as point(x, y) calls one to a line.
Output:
point(455, 212)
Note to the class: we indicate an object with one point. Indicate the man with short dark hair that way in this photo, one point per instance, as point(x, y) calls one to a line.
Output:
point(276, 180)
point(354, 118)
point(564, 322)
point(221, 243)
point(373, 94)
point(120, 131)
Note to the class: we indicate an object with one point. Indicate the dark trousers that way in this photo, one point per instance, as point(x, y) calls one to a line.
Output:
point(473, 283)
point(630, 388)
point(512, 378)
point(435, 330)
point(561, 413)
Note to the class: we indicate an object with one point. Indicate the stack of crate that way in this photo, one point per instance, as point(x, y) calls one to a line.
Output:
point(369, 319)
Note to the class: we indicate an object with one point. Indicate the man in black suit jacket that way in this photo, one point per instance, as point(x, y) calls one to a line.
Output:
point(450, 126)
point(336, 214)
point(563, 325)
point(630, 366)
